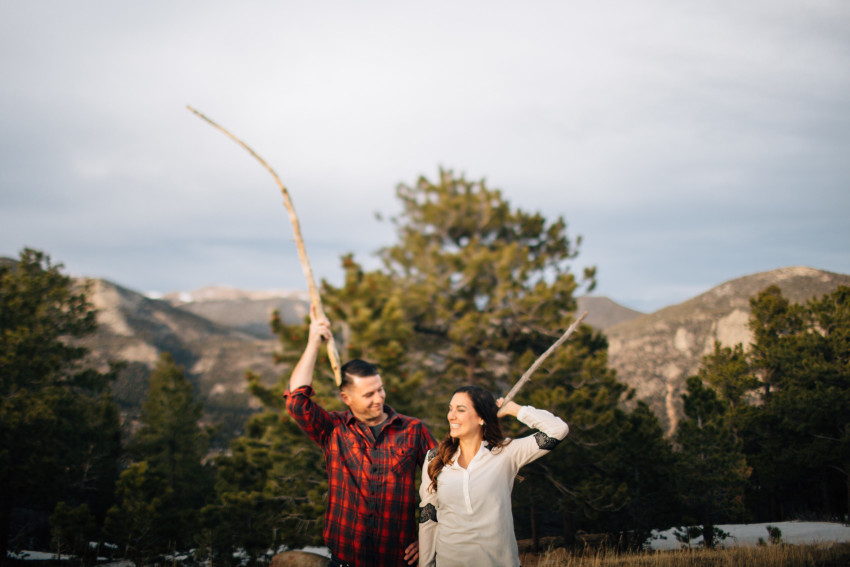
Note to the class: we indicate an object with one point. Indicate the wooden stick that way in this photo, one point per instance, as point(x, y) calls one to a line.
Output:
point(527, 376)
point(333, 354)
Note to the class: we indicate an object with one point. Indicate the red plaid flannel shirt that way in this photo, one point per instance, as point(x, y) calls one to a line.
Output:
point(370, 518)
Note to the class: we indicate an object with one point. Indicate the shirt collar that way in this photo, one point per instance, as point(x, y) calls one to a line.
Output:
point(391, 416)
point(484, 445)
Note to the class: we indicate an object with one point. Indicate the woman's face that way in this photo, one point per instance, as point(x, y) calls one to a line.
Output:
point(463, 420)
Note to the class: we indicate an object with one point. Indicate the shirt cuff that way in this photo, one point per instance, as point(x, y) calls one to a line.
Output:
point(301, 391)
point(522, 414)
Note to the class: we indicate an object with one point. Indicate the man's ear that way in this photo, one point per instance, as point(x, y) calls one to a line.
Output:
point(343, 395)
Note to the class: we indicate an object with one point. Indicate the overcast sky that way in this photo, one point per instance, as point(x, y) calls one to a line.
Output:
point(688, 143)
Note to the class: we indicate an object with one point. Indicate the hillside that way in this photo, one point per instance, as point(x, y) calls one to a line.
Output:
point(135, 329)
point(217, 334)
point(248, 311)
point(602, 313)
point(655, 353)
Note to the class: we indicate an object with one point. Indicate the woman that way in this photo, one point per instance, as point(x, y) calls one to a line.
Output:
point(467, 480)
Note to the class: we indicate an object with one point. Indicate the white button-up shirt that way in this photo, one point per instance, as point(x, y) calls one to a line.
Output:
point(474, 524)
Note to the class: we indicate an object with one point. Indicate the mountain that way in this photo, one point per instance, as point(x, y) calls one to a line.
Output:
point(602, 313)
point(248, 311)
point(135, 329)
point(655, 353)
point(217, 334)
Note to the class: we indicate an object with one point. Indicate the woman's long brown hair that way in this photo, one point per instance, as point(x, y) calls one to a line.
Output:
point(486, 408)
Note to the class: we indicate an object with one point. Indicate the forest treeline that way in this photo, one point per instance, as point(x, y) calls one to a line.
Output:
point(473, 291)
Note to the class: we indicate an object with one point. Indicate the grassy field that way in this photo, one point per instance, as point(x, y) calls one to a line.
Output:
point(821, 555)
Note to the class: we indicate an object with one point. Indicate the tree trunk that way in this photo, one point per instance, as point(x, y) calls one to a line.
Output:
point(828, 503)
point(569, 528)
point(535, 537)
point(847, 496)
point(708, 535)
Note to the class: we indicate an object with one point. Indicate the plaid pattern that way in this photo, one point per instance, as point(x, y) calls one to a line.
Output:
point(370, 518)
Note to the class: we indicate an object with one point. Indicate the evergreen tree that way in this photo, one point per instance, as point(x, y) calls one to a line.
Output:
point(487, 289)
point(270, 491)
point(728, 371)
point(473, 292)
point(582, 483)
point(135, 523)
point(644, 463)
point(171, 438)
point(59, 429)
point(168, 451)
point(71, 531)
point(711, 470)
point(825, 407)
point(799, 431)
point(483, 285)
point(789, 397)
point(271, 486)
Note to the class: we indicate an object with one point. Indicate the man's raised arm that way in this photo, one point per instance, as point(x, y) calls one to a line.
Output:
point(320, 331)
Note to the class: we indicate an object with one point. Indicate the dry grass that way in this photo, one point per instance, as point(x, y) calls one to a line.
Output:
point(822, 555)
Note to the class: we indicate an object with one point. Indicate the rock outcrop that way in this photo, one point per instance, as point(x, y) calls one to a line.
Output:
point(655, 353)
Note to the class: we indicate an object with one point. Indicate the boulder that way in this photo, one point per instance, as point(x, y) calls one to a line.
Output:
point(299, 559)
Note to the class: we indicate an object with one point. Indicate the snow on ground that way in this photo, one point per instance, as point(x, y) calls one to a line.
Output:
point(36, 555)
point(750, 534)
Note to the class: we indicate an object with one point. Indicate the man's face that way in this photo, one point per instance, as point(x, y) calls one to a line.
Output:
point(365, 397)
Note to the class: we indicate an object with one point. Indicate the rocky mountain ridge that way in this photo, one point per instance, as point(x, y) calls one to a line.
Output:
point(215, 354)
point(655, 353)
point(219, 334)
point(247, 311)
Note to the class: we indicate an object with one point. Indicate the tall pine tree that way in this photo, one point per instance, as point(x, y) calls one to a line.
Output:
point(59, 429)
point(799, 432)
point(473, 291)
point(168, 452)
point(711, 469)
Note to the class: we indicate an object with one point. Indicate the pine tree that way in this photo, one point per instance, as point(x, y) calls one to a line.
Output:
point(168, 451)
point(644, 462)
point(711, 469)
point(59, 430)
point(270, 491)
point(135, 524)
point(483, 285)
point(474, 291)
point(71, 531)
point(827, 429)
point(799, 433)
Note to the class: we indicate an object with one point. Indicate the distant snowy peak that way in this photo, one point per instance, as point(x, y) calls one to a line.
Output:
point(223, 293)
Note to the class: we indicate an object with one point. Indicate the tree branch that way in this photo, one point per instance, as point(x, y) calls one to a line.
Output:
point(333, 354)
point(527, 376)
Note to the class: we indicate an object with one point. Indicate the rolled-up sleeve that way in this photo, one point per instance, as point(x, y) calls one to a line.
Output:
point(312, 418)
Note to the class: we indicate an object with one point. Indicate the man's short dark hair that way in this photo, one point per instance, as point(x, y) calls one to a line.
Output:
point(356, 368)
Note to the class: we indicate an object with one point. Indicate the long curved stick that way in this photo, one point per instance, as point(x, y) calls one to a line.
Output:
point(333, 354)
point(527, 376)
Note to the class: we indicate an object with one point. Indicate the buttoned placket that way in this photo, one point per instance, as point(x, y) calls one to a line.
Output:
point(374, 479)
point(467, 475)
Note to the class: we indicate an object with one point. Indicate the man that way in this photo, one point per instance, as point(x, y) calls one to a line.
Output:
point(372, 454)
